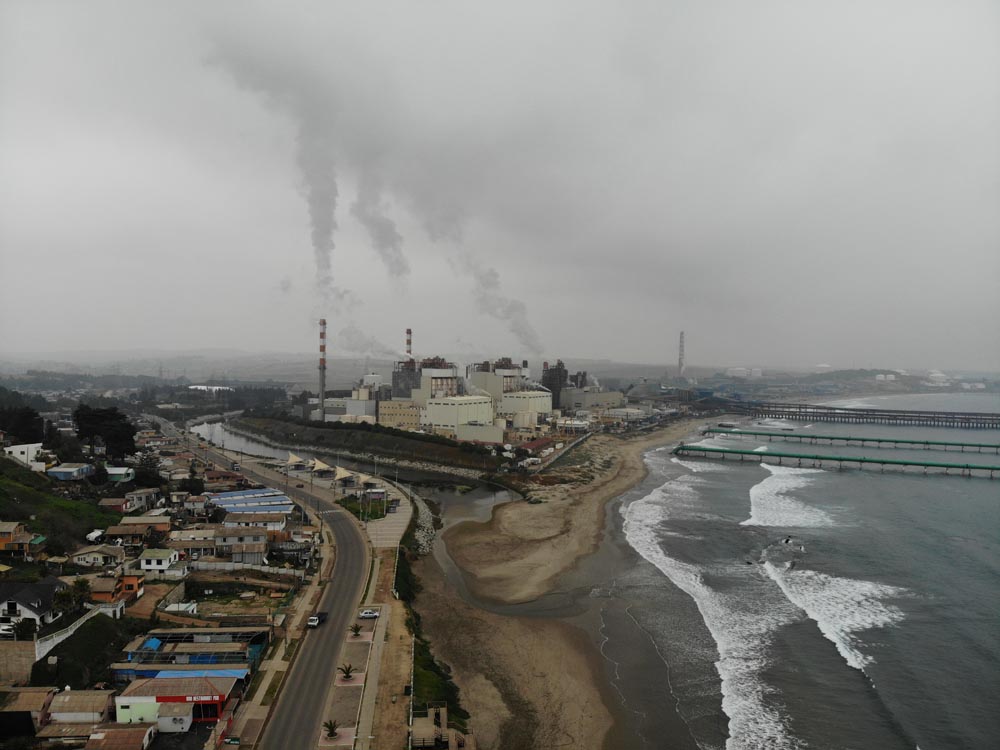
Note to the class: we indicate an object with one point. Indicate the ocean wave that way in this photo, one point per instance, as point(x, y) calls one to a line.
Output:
point(771, 504)
point(700, 467)
point(841, 607)
point(741, 623)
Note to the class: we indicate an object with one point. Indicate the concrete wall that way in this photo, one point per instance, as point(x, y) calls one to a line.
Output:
point(16, 660)
point(49, 642)
point(136, 713)
point(174, 596)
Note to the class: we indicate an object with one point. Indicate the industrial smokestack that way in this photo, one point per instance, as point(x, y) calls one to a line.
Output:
point(409, 343)
point(322, 369)
point(680, 357)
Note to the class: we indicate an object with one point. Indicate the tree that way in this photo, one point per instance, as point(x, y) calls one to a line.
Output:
point(147, 471)
point(347, 670)
point(109, 424)
point(331, 726)
point(81, 593)
point(63, 600)
point(355, 630)
point(25, 629)
point(23, 423)
point(99, 477)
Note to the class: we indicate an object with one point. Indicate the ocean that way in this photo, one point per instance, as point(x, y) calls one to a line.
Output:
point(786, 607)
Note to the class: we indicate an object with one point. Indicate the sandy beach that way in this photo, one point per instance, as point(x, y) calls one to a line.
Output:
point(528, 681)
point(518, 554)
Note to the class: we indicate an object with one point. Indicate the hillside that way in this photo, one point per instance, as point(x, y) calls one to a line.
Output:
point(24, 493)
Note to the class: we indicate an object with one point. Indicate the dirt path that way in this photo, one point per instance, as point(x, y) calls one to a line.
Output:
point(390, 718)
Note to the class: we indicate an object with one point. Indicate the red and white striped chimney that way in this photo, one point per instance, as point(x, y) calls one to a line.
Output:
point(322, 369)
point(409, 343)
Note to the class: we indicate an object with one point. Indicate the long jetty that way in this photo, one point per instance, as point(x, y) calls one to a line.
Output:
point(820, 461)
point(878, 442)
point(816, 413)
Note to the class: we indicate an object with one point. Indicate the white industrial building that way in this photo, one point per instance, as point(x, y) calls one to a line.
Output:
point(536, 402)
point(451, 411)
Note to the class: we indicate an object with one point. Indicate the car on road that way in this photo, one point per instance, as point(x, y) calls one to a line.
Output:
point(300, 486)
point(368, 614)
point(317, 619)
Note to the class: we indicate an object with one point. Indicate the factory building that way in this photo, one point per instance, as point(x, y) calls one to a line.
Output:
point(554, 378)
point(400, 414)
point(438, 379)
point(467, 418)
point(591, 397)
point(519, 403)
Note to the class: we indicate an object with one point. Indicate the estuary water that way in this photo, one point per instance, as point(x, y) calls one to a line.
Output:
point(805, 608)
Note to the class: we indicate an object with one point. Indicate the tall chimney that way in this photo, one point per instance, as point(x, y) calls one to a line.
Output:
point(680, 358)
point(322, 369)
point(409, 343)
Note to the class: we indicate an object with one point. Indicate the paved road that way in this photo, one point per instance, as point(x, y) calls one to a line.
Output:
point(298, 715)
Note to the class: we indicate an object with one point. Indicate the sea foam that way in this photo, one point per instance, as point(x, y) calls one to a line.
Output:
point(841, 607)
point(741, 623)
point(772, 505)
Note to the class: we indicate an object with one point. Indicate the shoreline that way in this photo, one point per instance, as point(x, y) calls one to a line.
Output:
point(518, 554)
point(505, 665)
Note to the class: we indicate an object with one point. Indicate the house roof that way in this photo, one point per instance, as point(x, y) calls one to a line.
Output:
point(137, 520)
point(17, 699)
point(103, 584)
point(254, 518)
point(118, 737)
point(112, 502)
point(105, 549)
point(38, 595)
point(81, 701)
point(9, 527)
point(157, 554)
point(180, 686)
point(66, 730)
point(126, 530)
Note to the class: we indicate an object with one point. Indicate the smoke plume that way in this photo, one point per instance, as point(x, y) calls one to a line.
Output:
point(492, 302)
point(369, 209)
point(353, 339)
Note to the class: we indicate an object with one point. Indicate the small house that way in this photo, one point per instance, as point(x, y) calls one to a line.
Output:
point(71, 472)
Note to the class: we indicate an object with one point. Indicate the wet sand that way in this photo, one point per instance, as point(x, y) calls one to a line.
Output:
point(534, 682)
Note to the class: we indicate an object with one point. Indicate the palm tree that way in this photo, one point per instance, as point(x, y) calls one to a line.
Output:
point(331, 726)
point(347, 670)
point(355, 630)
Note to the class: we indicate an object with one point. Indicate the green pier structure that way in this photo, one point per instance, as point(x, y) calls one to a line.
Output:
point(878, 442)
point(818, 413)
point(819, 461)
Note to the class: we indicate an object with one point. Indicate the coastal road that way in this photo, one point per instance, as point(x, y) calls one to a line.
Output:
point(298, 715)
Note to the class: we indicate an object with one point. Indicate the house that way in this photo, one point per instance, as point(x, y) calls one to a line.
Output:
point(107, 589)
point(194, 543)
point(131, 536)
point(118, 737)
point(245, 545)
point(267, 521)
point(98, 556)
point(134, 585)
point(15, 539)
point(155, 523)
point(29, 601)
point(24, 710)
point(196, 505)
point(143, 499)
point(81, 706)
point(120, 474)
point(193, 652)
point(144, 700)
point(158, 559)
point(71, 472)
point(26, 454)
point(117, 504)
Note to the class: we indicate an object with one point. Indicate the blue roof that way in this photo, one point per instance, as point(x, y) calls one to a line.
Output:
point(170, 674)
point(245, 493)
point(153, 643)
point(260, 509)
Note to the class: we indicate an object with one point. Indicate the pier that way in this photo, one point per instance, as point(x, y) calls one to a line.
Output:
point(878, 442)
point(815, 413)
point(819, 461)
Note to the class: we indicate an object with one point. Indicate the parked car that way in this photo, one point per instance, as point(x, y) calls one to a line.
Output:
point(368, 614)
point(317, 619)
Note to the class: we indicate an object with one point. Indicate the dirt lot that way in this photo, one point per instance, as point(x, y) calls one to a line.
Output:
point(145, 606)
point(390, 718)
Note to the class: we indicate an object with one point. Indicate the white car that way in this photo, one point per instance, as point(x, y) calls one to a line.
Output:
point(368, 614)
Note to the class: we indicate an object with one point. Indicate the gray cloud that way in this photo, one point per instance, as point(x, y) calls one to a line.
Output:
point(787, 182)
point(352, 339)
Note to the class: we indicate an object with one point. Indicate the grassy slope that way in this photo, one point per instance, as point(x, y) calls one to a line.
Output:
point(24, 493)
point(86, 656)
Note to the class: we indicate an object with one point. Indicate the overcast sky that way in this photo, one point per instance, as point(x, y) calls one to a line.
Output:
point(788, 182)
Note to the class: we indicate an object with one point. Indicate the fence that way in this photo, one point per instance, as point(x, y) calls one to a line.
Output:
point(231, 566)
point(46, 643)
